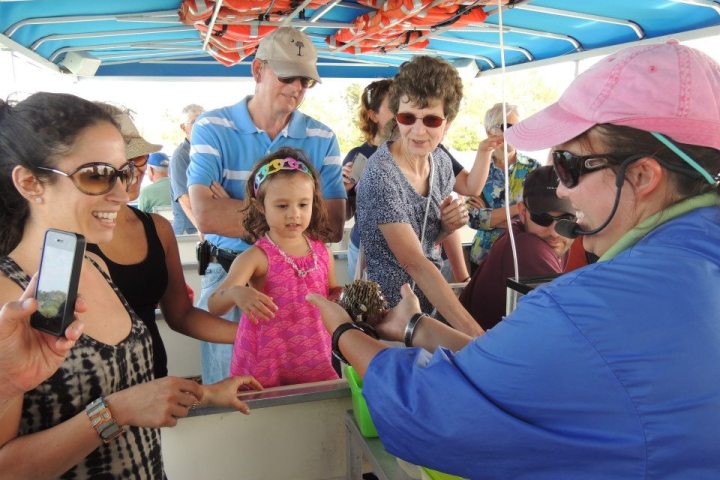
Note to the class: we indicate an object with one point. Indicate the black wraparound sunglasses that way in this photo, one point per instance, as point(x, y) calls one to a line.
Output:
point(545, 219)
point(304, 81)
point(570, 167)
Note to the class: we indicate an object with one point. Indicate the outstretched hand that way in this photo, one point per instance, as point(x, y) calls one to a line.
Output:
point(333, 315)
point(29, 356)
point(255, 304)
point(392, 326)
point(225, 393)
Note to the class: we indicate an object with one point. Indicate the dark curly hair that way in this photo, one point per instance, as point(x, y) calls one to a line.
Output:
point(37, 132)
point(626, 141)
point(424, 79)
point(255, 224)
point(370, 100)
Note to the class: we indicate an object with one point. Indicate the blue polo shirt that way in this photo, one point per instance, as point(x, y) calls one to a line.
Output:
point(226, 144)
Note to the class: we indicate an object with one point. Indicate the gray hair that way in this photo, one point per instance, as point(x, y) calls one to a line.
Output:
point(494, 115)
point(193, 109)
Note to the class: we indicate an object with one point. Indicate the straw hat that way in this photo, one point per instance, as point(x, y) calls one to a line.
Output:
point(135, 145)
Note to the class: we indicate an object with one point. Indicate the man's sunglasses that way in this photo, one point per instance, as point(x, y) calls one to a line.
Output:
point(430, 121)
point(98, 178)
point(304, 81)
point(545, 219)
point(570, 167)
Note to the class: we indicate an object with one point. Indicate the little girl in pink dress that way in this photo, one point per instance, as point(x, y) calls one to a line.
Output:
point(281, 339)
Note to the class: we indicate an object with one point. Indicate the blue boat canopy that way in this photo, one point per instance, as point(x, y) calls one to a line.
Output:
point(354, 38)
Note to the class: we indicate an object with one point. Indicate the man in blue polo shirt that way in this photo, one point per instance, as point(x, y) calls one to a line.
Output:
point(227, 142)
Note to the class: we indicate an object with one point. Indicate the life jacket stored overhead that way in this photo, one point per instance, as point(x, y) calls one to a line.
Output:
point(236, 31)
point(392, 24)
point(403, 24)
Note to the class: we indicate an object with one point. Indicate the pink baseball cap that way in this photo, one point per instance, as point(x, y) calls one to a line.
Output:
point(666, 88)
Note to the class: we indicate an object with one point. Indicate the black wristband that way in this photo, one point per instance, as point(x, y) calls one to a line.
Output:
point(410, 328)
point(366, 328)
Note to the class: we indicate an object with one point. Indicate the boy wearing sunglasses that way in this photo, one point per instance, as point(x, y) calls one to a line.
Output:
point(227, 142)
point(540, 249)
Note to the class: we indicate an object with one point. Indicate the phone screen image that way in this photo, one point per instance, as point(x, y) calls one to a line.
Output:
point(57, 282)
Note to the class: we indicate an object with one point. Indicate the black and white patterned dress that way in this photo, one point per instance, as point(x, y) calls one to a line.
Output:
point(90, 370)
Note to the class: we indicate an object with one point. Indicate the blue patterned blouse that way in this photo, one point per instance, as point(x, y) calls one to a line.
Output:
point(494, 196)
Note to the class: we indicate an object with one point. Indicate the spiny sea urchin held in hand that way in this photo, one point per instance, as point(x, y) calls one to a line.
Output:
point(364, 301)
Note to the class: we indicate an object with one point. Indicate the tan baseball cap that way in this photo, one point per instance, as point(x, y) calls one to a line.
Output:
point(290, 53)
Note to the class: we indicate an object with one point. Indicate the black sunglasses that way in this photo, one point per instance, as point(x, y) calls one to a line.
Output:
point(98, 178)
point(545, 219)
point(570, 167)
point(407, 118)
point(304, 81)
point(502, 126)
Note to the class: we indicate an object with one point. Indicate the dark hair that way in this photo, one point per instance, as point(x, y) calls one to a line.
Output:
point(687, 181)
point(36, 132)
point(255, 224)
point(371, 99)
point(425, 78)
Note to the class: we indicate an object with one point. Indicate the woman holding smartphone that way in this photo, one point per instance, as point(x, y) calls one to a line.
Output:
point(63, 166)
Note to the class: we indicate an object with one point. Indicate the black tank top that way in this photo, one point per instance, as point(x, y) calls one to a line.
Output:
point(143, 284)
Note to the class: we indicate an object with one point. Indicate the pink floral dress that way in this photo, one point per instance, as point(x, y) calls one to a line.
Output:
point(294, 346)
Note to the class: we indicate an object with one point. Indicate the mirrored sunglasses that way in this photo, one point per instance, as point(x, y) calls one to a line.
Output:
point(98, 178)
point(545, 219)
point(304, 81)
point(570, 167)
point(430, 121)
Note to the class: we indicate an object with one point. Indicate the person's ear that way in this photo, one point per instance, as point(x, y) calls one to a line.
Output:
point(522, 212)
point(257, 66)
point(373, 115)
point(646, 176)
point(27, 183)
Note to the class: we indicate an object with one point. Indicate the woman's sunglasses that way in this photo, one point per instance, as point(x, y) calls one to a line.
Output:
point(545, 219)
point(98, 178)
point(304, 81)
point(430, 121)
point(570, 167)
point(140, 161)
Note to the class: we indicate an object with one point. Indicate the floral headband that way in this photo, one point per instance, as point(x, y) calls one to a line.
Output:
point(275, 166)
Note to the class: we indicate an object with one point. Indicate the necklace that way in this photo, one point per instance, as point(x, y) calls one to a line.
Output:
point(289, 260)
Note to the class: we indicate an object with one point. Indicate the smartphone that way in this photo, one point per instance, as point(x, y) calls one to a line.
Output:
point(358, 167)
point(58, 279)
